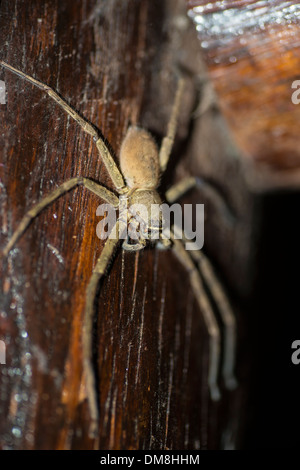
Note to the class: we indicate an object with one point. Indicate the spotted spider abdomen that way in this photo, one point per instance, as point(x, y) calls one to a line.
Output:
point(139, 159)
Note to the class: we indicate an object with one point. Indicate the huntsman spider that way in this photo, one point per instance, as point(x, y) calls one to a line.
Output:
point(137, 182)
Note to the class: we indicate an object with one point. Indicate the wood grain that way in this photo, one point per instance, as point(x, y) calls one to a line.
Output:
point(252, 52)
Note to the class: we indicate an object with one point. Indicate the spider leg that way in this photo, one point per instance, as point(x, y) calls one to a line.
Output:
point(208, 315)
point(226, 313)
point(91, 291)
point(207, 272)
point(179, 189)
point(210, 192)
point(168, 140)
point(108, 160)
point(102, 192)
point(208, 99)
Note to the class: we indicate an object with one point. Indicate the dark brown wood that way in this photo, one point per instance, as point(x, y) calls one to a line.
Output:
point(116, 63)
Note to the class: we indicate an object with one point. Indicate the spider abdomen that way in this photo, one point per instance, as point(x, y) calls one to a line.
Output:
point(139, 159)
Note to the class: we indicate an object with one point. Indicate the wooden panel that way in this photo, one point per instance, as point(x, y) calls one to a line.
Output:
point(252, 51)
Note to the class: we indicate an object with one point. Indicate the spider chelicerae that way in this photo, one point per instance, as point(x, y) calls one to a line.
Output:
point(136, 182)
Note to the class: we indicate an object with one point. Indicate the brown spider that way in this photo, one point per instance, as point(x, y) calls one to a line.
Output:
point(141, 165)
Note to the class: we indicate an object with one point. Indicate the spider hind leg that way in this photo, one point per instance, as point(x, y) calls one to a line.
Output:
point(208, 316)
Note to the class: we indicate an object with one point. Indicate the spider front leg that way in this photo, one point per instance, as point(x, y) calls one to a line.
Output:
point(108, 160)
point(91, 291)
point(102, 192)
point(208, 315)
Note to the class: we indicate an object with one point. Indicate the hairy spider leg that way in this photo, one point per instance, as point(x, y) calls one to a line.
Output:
point(224, 308)
point(168, 140)
point(207, 271)
point(91, 292)
point(209, 276)
point(209, 191)
point(207, 312)
point(179, 189)
point(97, 189)
point(108, 160)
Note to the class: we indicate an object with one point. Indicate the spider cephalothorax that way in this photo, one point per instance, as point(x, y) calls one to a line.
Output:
point(136, 184)
point(139, 206)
